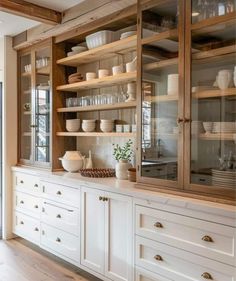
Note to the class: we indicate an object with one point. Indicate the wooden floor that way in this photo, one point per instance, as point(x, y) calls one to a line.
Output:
point(19, 262)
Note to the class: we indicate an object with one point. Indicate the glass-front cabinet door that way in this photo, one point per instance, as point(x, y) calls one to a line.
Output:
point(25, 110)
point(160, 79)
point(35, 106)
point(211, 75)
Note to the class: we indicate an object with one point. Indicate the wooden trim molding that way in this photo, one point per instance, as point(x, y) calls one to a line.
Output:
point(31, 11)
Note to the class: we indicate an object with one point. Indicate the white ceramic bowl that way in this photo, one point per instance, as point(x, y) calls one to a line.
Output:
point(89, 121)
point(106, 128)
point(88, 128)
point(128, 34)
point(71, 166)
point(106, 121)
point(72, 155)
point(73, 125)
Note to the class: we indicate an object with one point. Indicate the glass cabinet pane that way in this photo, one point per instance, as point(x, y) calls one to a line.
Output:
point(160, 91)
point(213, 107)
point(42, 107)
point(25, 108)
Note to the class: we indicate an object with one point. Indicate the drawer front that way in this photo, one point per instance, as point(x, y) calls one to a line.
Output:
point(28, 204)
point(159, 170)
point(60, 216)
point(61, 193)
point(60, 242)
point(26, 227)
point(212, 240)
point(27, 183)
point(145, 275)
point(179, 265)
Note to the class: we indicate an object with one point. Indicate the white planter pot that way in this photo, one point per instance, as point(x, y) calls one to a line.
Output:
point(122, 169)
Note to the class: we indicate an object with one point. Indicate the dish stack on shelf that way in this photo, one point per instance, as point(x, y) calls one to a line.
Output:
point(224, 178)
point(197, 128)
point(75, 77)
point(77, 50)
point(224, 127)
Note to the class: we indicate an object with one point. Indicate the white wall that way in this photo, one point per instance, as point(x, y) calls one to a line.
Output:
point(9, 130)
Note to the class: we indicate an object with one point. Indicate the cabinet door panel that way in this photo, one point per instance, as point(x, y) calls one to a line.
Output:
point(145, 275)
point(92, 229)
point(118, 237)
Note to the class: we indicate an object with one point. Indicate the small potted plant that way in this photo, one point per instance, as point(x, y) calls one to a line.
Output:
point(123, 156)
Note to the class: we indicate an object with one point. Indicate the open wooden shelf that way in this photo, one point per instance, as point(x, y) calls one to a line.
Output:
point(99, 82)
point(214, 93)
point(106, 51)
point(94, 134)
point(121, 105)
point(169, 34)
point(214, 54)
point(43, 70)
point(219, 136)
point(163, 98)
point(160, 64)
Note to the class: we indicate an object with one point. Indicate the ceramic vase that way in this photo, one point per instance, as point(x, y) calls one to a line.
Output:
point(122, 169)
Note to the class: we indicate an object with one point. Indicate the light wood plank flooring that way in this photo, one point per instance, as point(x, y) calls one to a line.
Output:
point(20, 261)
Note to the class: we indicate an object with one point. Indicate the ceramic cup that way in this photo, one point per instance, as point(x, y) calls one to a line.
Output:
point(117, 69)
point(90, 75)
point(103, 73)
point(131, 66)
point(223, 81)
point(173, 84)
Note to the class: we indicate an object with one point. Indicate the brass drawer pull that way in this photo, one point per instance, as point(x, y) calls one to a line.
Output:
point(21, 181)
point(58, 240)
point(104, 199)
point(36, 206)
point(207, 238)
point(36, 229)
point(100, 198)
point(207, 276)
point(21, 222)
point(22, 202)
point(59, 216)
point(36, 185)
point(158, 225)
point(158, 258)
point(58, 192)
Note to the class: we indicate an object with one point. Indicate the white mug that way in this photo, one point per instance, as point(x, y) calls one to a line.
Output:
point(103, 73)
point(173, 84)
point(90, 75)
point(117, 69)
point(131, 66)
point(223, 80)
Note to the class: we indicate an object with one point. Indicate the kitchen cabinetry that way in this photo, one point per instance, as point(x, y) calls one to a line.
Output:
point(187, 94)
point(35, 102)
point(106, 240)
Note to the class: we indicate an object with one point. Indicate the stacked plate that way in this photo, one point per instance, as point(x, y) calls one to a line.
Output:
point(107, 126)
point(224, 127)
point(76, 50)
point(224, 178)
point(197, 127)
point(88, 125)
point(75, 77)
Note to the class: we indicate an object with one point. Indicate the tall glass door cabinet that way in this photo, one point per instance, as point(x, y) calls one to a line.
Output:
point(187, 96)
point(35, 105)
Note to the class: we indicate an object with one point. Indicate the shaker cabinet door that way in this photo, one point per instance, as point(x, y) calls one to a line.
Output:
point(92, 229)
point(118, 237)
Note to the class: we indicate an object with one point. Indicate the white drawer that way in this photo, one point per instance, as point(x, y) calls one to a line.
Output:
point(61, 193)
point(27, 183)
point(60, 242)
point(188, 233)
point(60, 216)
point(179, 265)
point(26, 227)
point(28, 204)
point(145, 275)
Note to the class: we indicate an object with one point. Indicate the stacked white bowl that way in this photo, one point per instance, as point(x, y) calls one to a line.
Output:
point(107, 126)
point(72, 125)
point(89, 125)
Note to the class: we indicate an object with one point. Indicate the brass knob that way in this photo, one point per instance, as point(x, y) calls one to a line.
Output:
point(207, 275)
point(158, 258)
point(36, 185)
point(21, 202)
point(36, 206)
point(104, 199)
point(21, 181)
point(21, 222)
point(207, 238)
point(186, 120)
point(36, 229)
point(59, 192)
point(58, 240)
point(158, 225)
point(100, 198)
point(59, 216)
point(180, 120)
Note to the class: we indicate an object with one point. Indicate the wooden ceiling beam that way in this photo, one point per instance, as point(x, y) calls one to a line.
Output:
point(31, 11)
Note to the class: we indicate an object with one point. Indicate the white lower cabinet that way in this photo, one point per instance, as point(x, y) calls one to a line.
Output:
point(106, 238)
point(60, 241)
point(145, 275)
